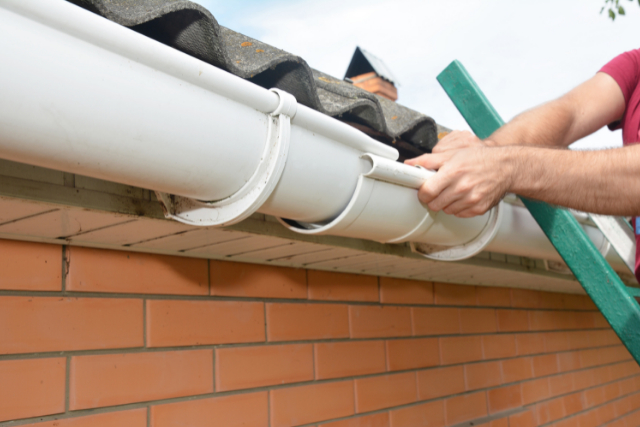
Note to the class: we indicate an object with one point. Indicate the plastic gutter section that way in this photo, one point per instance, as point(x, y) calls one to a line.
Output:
point(222, 148)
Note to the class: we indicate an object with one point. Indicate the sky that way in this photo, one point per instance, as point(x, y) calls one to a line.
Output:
point(521, 53)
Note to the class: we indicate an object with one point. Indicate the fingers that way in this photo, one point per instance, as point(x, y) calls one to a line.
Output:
point(431, 191)
point(455, 141)
point(467, 207)
point(429, 161)
point(454, 196)
point(473, 211)
point(449, 197)
point(415, 161)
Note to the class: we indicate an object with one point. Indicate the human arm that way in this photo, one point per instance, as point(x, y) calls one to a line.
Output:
point(470, 181)
point(585, 109)
point(473, 175)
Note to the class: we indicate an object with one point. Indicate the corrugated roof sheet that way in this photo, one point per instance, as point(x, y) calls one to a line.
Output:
point(192, 29)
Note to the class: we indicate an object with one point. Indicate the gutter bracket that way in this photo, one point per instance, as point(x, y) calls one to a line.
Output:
point(467, 250)
point(256, 190)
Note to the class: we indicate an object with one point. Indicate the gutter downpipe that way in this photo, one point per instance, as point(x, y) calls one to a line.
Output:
point(84, 95)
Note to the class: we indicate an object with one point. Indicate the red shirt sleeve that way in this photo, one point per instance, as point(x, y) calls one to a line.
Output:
point(625, 70)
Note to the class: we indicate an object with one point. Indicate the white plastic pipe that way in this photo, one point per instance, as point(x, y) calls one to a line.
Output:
point(520, 235)
point(85, 95)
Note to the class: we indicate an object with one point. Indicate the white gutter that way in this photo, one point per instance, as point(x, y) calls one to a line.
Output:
point(85, 95)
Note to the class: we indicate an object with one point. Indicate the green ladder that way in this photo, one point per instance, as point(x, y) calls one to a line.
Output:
point(612, 297)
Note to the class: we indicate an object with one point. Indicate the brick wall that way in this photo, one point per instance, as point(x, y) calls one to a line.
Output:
point(104, 338)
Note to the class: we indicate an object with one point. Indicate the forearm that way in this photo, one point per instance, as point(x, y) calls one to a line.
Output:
point(590, 106)
point(604, 181)
point(548, 125)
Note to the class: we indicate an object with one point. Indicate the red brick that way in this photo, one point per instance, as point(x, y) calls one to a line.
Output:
point(587, 419)
point(568, 361)
point(289, 322)
point(598, 320)
point(311, 403)
point(588, 378)
point(605, 413)
point(611, 391)
point(344, 359)
point(587, 320)
point(498, 346)
point(374, 420)
point(482, 375)
point(523, 419)
point(477, 320)
point(38, 324)
point(525, 298)
point(535, 390)
point(632, 419)
point(179, 322)
point(246, 410)
point(116, 379)
point(556, 341)
point(501, 422)
point(549, 320)
point(544, 365)
point(573, 404)
point(412, 353)
point(576, 302)
point(435, 320)
point(448, 294)
point(460, 350)
point(584, 379)
point(366, 321)
point(333, 286)
point(584, 339)
point(493, 297)
point(131, 418)
point(31, 387)
point(248, 367)
point(425, 415)
point(607, 337)
point(551, 300)
point(403, 291)
point(433, 383)
point(591, 357)
point(466, 407)
point(98, 270)
point(28, 266)
point(518, 369)
point(620, 422)
point(560, 384)
point(512, 320)
point(550, 410)
point(530, 344)
point(238, 279)
point(627, 386)
point(385, 391)
point(504, 398)
point(621, 406)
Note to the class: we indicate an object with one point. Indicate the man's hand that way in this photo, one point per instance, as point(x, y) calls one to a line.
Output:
point(469, 181)
point(457, 140)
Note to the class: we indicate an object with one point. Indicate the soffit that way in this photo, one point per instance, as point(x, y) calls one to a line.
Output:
point(38, 204)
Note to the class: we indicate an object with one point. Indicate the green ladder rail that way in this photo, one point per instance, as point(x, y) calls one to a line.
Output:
point(612, 297)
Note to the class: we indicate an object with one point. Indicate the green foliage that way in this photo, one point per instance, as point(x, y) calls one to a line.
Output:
point(613, 8)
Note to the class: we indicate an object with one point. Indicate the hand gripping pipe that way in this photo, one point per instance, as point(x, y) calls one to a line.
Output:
point(84, 95)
